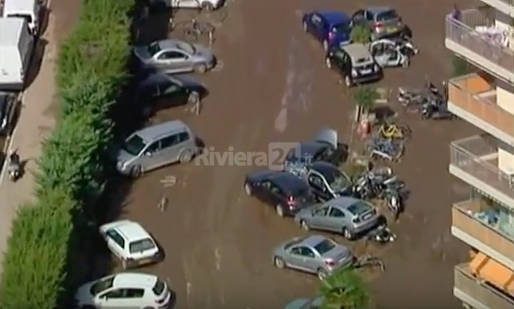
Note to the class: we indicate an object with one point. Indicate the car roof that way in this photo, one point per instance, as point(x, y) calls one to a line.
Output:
point(131, 230)
point(334, 17)
point(122, 280)
point(18, 6)
point(379, 9)
point(357, 50)
point(150, 133)
point(287, 181)
point(312, 240)
point(344, 201)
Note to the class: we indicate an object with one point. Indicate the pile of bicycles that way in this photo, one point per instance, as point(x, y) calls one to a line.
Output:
point(388, 141)
point(429, 102)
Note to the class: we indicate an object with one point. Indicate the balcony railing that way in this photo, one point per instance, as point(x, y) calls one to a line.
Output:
point(487, 237)
point(462, 32)
point(476, 292)
point(477, 96)
point(477, 156)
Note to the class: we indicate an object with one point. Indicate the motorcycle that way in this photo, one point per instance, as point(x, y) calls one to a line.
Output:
point(382, 234)
point(14, 166)
point(435, 111)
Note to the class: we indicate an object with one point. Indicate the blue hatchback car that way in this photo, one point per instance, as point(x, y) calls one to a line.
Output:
point(329, 27)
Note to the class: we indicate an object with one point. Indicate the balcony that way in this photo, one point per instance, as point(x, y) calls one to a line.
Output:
point(487, 51)
point(473, 98)
point(474, 160)
point(479, 225)
point(478, 293)
point(505, 6)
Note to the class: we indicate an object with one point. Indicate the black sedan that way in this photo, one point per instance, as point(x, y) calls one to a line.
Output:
point(158, 91)
point(325, 147)
point(282, 190)
point(7, 112)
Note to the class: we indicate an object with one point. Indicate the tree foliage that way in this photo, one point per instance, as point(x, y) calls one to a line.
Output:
point(360, 34)
point(344, 289)
point(91, 70)
point(365, 97)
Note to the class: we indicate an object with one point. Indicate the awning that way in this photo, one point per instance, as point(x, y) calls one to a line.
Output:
point(493, 272)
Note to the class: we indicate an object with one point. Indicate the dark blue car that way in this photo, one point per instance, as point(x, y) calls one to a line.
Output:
point(329, 27)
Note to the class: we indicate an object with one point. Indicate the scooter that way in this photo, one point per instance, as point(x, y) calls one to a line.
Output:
point(14, 166)
point(382, 234)
point(436, 112)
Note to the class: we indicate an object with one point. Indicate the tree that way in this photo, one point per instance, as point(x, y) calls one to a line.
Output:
point(360, 34)
point(365, 98)
point(344, 289)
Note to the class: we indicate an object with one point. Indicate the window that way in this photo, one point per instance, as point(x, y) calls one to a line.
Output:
point(306, 252)
point(316, 182)
point(134, 293)
point(134, 145)
point(171, 89)
point(266, 184)
point(118, 293)
point(102, 285)
point(321, 211)
point(359, 208)
point(182, 137)
point(141, 245)
point(172, 55)
point(275, 190)
point(112, 234)
point(154, 147)
point(340, 55)
point(154, 48)
point(388, 15)
point(158, 287)
point(335, 212)
point(169, 141)
point(324, 246)
point(316, 20)
point(296, 251)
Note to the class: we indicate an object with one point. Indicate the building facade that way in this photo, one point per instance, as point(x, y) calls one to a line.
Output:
point(484, 37)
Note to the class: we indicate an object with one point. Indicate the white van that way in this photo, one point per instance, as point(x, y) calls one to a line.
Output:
point(16, 44)
point(28, 9)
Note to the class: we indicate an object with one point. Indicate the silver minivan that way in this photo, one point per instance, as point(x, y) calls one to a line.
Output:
point(155, 146)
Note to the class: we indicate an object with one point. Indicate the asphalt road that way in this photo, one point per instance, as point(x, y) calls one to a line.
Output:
point(273, 87)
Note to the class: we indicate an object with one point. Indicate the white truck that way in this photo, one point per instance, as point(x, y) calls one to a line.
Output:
point(30, 10)
point(16, 45)
point(207, 5)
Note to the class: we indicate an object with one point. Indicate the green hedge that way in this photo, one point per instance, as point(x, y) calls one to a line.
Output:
point(91, 71)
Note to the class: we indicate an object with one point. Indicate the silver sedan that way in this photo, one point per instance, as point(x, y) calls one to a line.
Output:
point(314, 254)
point(346, 215)
point(174, 56)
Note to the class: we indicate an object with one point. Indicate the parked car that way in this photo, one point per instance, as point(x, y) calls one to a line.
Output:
point(382, 21)
point(325, 179)
point(392, 52)
point(129, 241)
point(207, 5)
point(155, 146)
point(30, 10)
point(314, 254)
point(159, 91)
point(346, 215)
point(282, 190)
point(324, 147)
point(329, 27)
point(125, 291)
point(305, 303)
point(174, 56)
point(8, 105)
point(354, 62)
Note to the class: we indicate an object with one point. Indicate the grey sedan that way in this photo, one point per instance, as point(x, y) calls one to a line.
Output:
point(314, 254)
point(174, 56)
point(346, 215)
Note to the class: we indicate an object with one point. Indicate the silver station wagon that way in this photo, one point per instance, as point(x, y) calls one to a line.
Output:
point(155, 146)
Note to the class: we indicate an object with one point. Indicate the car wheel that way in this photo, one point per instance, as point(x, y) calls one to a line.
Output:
point(201, 68)
point(322, 274)
point(279, 262)
point(305, 27)
point(280, 210)
point(348, 81)
point(325, 45)
point(328, 62)
point(207, 6)
point(406, 63)
point(304, 225)
point(248, 189)
point(136, 171)
point(186, 156)
point(347, 234)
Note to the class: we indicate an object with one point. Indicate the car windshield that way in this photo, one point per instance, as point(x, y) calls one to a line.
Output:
point(359, 208)
point(134, 145)
point(324, 246)
point(188, 48)
point(158, 287)
point(154, 48)
point(337, 180)
point(102, 285)
point(342, 27)
point(141, 245)
point(387, 15)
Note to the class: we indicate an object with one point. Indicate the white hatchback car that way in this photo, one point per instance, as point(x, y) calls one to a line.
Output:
point(125, 291)
point(130, 243)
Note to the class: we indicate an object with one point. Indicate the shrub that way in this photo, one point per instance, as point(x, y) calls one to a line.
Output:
point(344, 289)
point(360, 34)
point(365, 97)
point(91, 71)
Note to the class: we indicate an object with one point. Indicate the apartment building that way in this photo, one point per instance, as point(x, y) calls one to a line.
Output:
point(484, 37)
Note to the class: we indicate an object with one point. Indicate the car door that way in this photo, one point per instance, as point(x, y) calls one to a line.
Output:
point(172, 95)
point(379, 53)
point(276, 195)
point(294, 258)
point(116, 243)
point(149, 159)
point(118, 299)
point(318, 186)
point(318, 26)
point(318, 217)
point(262, 190)
point(170, 149)
point(335, 219)
point(308, 262)
point(339, 57)
point(172, 61)
point(393, 55)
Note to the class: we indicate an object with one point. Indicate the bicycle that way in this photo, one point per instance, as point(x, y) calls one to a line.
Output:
point(369, 260)
point(394, 131)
